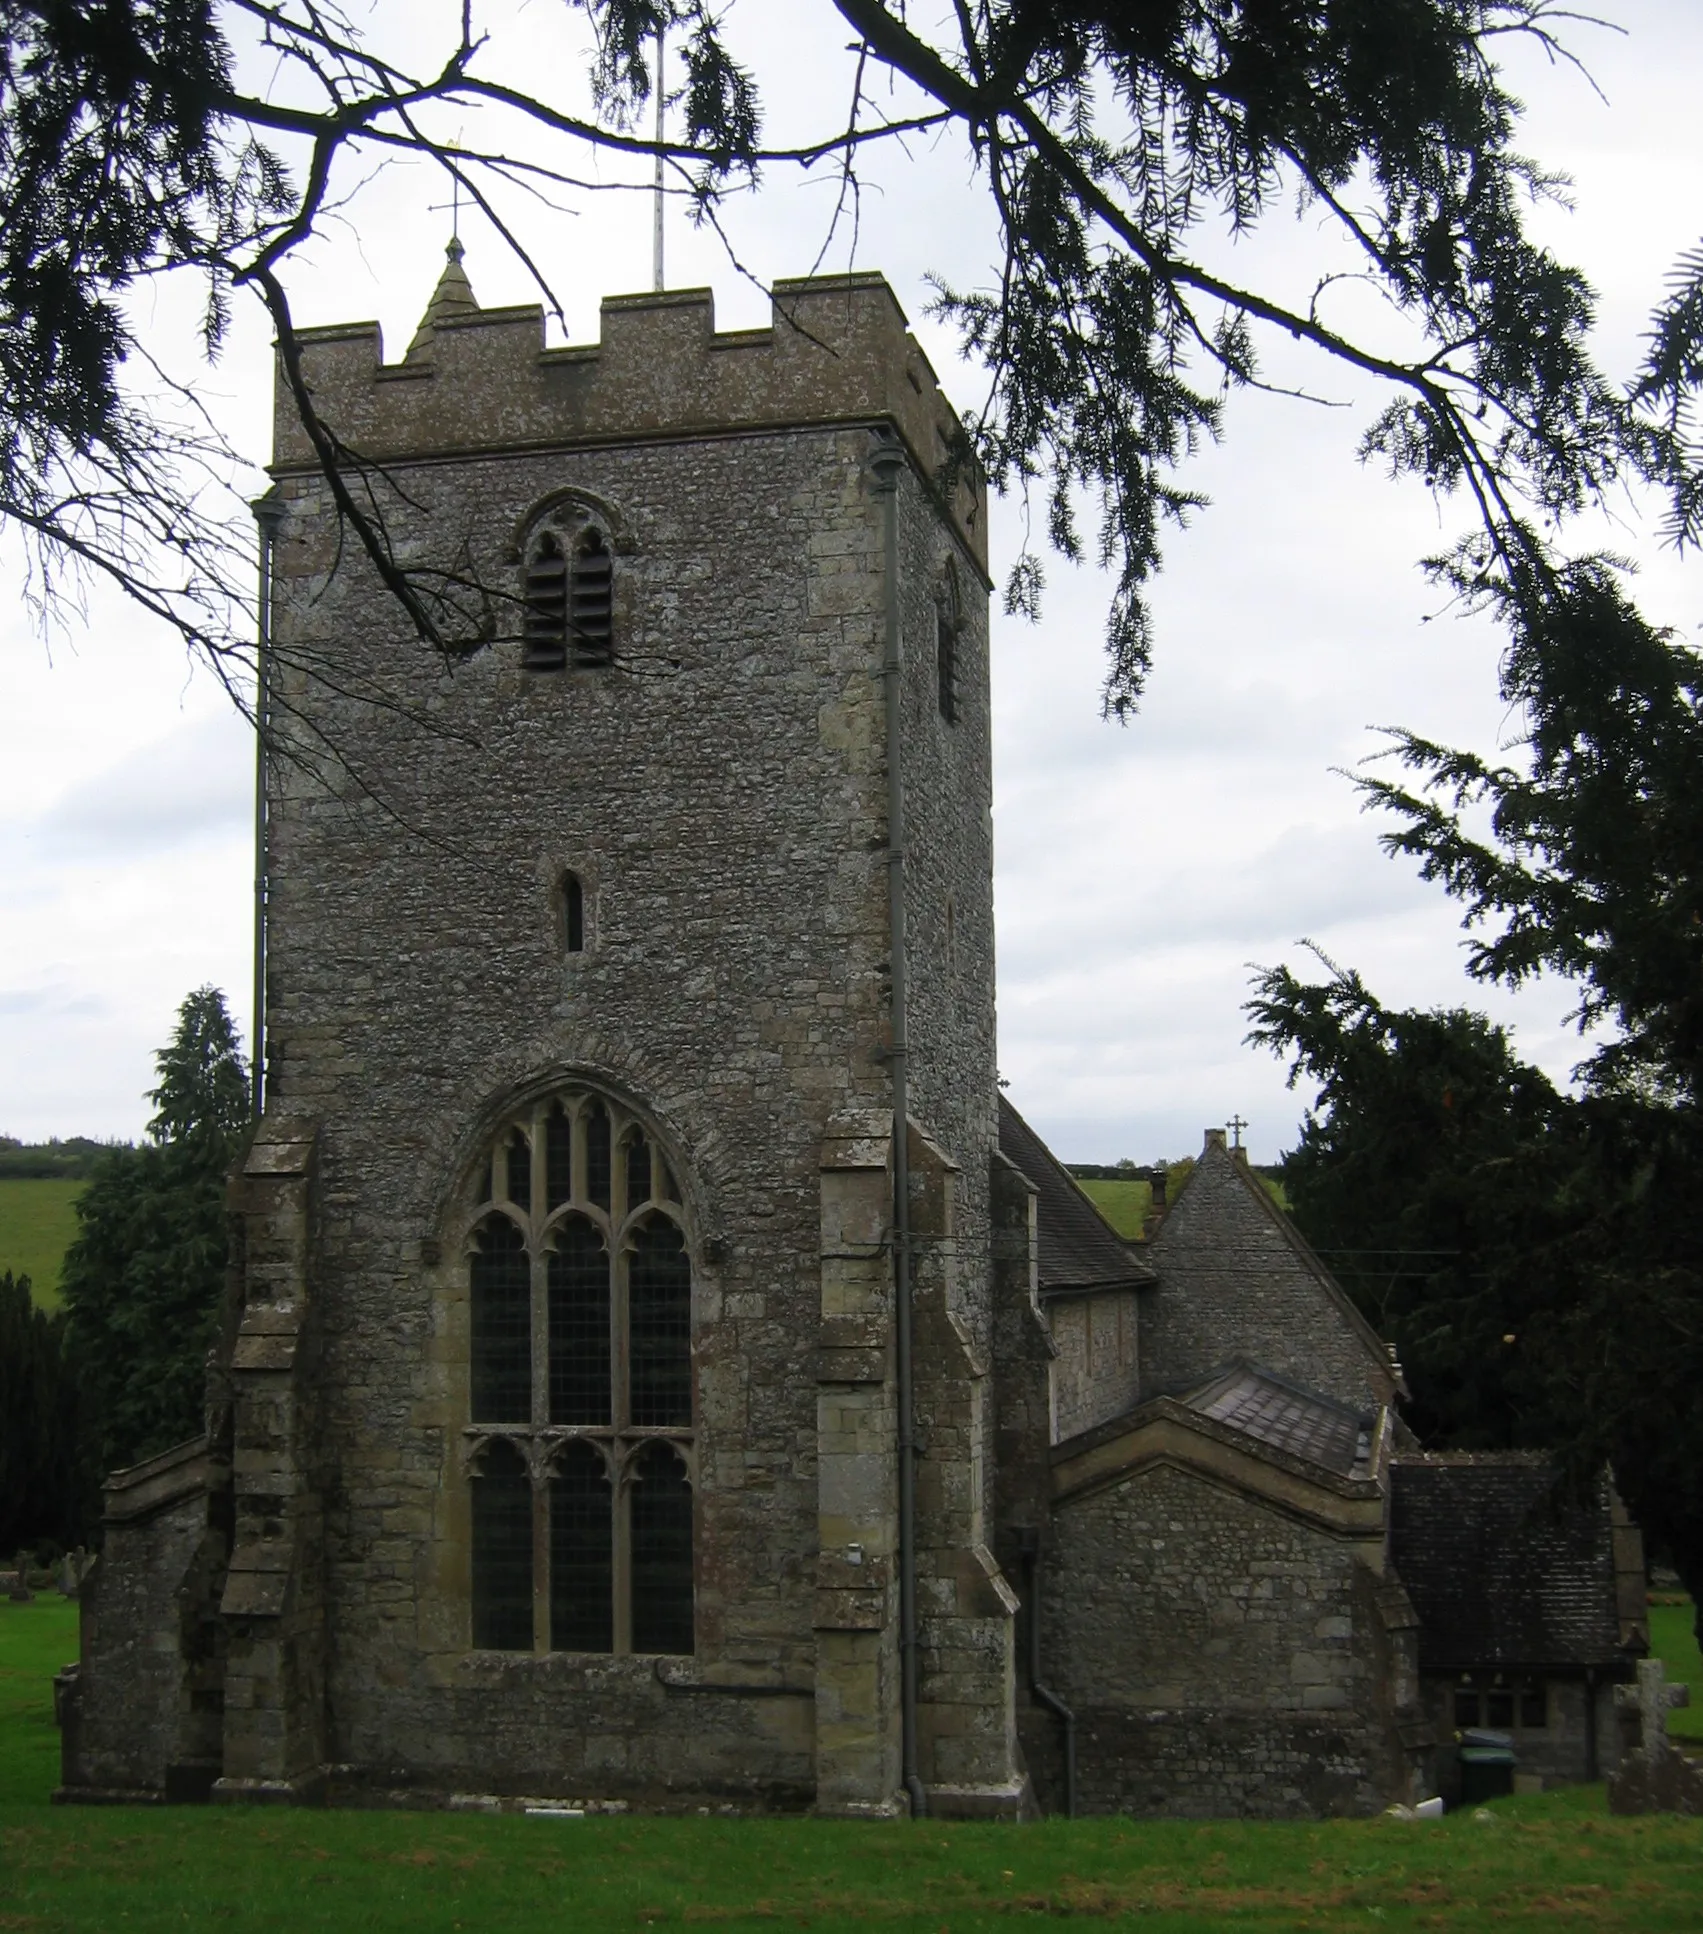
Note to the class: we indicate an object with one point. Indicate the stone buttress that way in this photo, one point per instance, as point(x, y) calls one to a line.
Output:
point(579, 986)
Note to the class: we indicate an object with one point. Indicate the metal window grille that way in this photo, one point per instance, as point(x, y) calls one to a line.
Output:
point(662, 1552)
point(582, 1554)
point(659, 1328)
point(502, 1552)
point(500, 1285)
point(578, 1273)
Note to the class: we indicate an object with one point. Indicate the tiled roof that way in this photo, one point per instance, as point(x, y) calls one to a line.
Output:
point(1079, 1250)
point(1502, 1569)
point(1277, 1413)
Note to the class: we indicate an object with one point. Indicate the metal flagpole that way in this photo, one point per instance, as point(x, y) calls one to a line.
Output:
point(656, 232)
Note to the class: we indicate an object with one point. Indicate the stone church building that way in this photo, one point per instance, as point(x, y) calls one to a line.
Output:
point(659, 1367)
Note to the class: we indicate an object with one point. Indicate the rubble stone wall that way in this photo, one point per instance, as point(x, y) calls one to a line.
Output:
point(1218, 1654)
point(721, 794)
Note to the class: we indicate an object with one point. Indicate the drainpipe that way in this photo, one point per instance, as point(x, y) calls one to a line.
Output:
point(1029, 1546)
point(269, 517)
point(885, 463)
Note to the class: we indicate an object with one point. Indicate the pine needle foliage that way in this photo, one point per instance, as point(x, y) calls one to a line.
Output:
point(143, 1280)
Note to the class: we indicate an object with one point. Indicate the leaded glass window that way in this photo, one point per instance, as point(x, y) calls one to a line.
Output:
point(580, 1392)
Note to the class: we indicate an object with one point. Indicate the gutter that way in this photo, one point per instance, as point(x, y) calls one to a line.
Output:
point(885, 463)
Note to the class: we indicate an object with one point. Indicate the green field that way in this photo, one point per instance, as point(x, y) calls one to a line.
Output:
point(1123, 1204)
point(1673, 1639)
point(1557, 1859)
point(37, 1222)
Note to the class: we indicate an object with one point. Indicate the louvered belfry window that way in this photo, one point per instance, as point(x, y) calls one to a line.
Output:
point(569, 601)
point(948, 630)
point(580, 1438)
point(591, 601)
point(546, 606)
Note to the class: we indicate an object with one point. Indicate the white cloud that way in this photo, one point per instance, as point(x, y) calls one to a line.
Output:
point(1140, 868)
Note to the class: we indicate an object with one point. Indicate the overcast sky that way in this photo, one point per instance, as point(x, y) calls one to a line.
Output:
point(1140, 868)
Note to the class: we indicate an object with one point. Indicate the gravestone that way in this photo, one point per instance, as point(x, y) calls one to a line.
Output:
point(1654, 1775)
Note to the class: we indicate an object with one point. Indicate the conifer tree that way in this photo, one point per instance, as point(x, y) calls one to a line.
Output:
point(47, 1489)
point(1569, 1313)
point(143, 1279)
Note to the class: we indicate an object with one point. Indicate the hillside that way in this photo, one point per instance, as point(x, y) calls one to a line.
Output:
point(38, 1218)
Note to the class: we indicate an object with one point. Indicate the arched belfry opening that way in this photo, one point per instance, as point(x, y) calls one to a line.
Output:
point(568, 594)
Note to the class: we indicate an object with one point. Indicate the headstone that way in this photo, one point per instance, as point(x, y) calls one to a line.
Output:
point(1653, 1776)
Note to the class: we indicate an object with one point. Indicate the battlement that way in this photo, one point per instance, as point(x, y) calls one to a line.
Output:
point(482, 380)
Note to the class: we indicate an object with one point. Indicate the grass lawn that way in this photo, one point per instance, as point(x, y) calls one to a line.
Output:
point(1534, 1863)
point(37, 1222)
point(1673, 1640)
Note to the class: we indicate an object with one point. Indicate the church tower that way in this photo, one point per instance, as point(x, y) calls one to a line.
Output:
point(561, 1418)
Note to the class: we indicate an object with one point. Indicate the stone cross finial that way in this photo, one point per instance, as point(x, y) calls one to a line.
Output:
point(1652, 1699)
point(1237, 1124)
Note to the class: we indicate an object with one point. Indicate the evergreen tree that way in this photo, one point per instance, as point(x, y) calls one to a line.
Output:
point(1536, 1256)
point(143, 1279)
point(1430, 1177)
point(47, 1490)
point(1116, 146)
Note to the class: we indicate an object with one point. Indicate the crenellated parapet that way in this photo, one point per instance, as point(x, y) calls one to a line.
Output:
point(837, 350)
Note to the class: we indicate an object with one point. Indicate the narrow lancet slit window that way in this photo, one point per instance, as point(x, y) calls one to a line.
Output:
point(573, 914)
point(948, 625)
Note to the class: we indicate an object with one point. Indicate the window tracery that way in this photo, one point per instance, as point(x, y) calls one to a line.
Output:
point(580, 1391)
point(568, 596)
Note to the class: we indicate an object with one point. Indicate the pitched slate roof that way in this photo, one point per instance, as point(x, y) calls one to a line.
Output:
point(1502, 1570)
point(1273, 1412)
point(1078, 1248)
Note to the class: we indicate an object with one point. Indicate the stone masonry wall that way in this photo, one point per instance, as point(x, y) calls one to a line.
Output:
point(134, 1692)
point(1097, 1375)
point(1220, 1655)
point(721, 793)
point(1232, 1283)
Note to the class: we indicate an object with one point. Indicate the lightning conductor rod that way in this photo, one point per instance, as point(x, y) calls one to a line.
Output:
point(887, 461)
point(268, 517)
point(656, 192)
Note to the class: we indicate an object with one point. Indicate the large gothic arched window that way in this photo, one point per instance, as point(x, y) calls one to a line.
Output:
point(579, 1435)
